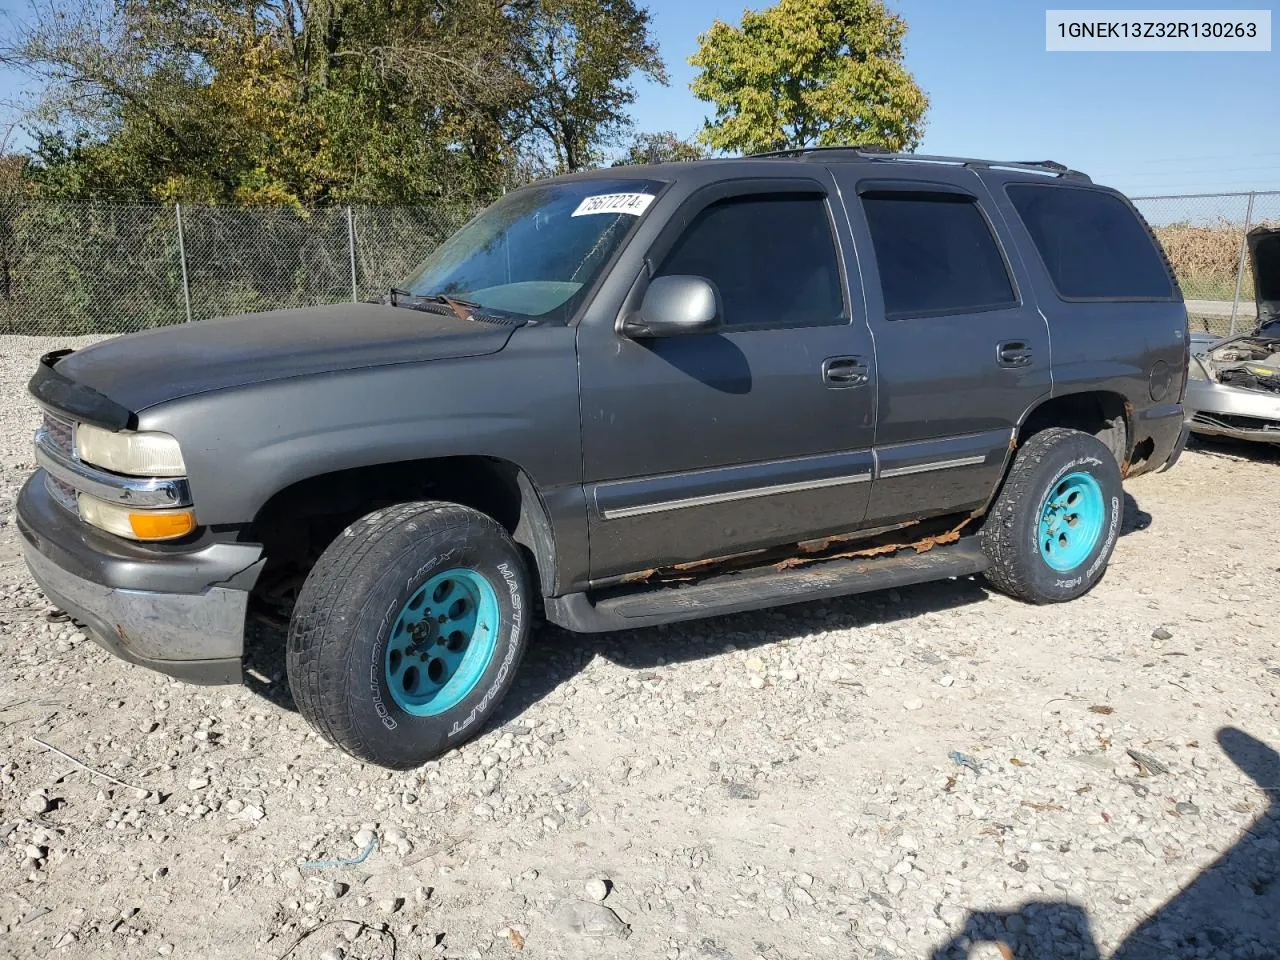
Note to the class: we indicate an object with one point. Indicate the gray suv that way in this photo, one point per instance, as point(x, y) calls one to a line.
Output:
point(626, 397)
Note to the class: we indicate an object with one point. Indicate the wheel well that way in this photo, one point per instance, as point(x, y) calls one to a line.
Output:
point(299, 522)
point(1103, 414)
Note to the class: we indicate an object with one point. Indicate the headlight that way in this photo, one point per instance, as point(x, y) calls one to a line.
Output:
point(135, 524)
point(135, 454)
point(1196, 370)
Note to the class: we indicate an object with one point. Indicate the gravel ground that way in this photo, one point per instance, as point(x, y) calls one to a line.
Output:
point(915, 773)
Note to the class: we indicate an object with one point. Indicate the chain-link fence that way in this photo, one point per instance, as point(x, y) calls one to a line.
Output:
point(81, 268)
point(78, 268)
point(1204, 236)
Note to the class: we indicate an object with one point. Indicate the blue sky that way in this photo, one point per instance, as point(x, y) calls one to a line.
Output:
point(1148, 123)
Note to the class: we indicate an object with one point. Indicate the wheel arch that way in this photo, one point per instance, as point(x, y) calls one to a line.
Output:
point(299, 520)
point(1104, 414)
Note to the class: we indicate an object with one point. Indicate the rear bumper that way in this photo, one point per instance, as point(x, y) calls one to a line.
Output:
point(182, 614)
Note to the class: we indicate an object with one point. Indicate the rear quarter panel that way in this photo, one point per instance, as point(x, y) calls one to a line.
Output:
point(1127, 347)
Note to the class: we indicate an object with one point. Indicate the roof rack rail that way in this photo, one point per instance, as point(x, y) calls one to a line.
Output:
point(874, 152)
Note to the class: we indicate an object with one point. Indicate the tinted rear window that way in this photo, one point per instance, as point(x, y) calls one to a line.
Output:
point(936, 255)
point(1092, 244)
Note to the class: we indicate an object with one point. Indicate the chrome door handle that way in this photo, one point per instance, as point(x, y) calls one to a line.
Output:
point(844, 371)
point(1013, 353)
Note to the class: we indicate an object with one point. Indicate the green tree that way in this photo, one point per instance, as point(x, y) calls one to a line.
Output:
point(664, 147)
point(576, 58)
point(809, 73)
point(324, 101)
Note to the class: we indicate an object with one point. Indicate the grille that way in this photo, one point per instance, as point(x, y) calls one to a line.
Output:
point(1236, 421)
point(60, 432)
point(64, 493)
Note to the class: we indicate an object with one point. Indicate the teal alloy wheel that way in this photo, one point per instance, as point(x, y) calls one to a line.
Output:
point(409, 631)
point(1071, 520)
point(442, 642)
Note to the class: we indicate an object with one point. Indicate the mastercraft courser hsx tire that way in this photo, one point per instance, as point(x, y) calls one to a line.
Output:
point(1052, 529)
point(408, 631)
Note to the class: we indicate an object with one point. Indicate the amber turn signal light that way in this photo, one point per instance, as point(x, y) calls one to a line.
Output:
point(161, 526)
point(136, 524)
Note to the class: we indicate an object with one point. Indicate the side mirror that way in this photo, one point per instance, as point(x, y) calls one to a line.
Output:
point(674, 307)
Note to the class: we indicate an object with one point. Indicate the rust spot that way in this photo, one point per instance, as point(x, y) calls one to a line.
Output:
point(691, 569)
point(124, 637)
point(872, 543)
point(919, 545)
point(818, 546)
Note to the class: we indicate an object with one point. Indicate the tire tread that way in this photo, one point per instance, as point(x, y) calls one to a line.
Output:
point(317, 660)
point(1009, 569)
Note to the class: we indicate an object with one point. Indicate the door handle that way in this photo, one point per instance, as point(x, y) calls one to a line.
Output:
point(1013, 353)
point(844, 371)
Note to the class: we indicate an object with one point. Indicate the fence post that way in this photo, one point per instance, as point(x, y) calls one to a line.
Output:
point(1244, 253)
point(351, 248)
point(182, 258)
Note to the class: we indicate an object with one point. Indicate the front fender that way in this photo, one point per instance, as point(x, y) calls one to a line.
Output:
point(243, 445)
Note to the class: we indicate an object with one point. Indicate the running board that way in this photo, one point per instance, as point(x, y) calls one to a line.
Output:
point(762, 587)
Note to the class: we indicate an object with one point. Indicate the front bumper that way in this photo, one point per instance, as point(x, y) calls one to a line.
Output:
point(181, 613)
point(1218, 410)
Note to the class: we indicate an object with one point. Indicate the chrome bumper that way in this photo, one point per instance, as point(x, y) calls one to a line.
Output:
point(1216, 410)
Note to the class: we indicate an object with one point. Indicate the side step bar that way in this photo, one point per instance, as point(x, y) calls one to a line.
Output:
point(760, 588)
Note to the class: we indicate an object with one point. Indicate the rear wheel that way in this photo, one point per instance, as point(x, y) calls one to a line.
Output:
point(1054, 525)
point(408, 632)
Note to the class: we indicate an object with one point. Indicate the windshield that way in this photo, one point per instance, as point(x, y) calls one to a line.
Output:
point(536, 251)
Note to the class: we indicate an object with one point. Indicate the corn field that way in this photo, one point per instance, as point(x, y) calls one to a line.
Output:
point(1203, 235)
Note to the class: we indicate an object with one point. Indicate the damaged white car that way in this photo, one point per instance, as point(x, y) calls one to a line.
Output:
point(1233, 386)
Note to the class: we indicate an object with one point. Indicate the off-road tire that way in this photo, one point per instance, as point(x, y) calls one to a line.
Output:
point(1010, 534)
point(349, 606)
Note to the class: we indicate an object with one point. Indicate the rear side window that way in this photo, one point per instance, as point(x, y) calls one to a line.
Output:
point(771, 256)
point(1092, 244)
point(936, 255)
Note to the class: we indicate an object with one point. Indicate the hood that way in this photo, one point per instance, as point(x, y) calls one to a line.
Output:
point(143, 369)
point(1264, 257)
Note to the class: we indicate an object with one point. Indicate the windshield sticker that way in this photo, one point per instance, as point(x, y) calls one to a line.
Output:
point(629, 203)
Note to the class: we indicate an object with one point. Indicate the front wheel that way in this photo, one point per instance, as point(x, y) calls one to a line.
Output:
point(1054, 525)
point(408, 632)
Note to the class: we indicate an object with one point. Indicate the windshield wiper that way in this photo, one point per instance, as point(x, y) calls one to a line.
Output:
point(461, 307)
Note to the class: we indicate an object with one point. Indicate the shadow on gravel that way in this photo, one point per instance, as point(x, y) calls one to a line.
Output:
point(1135, 518)
point(1230, 449)
point(555, 656)
point(264, 660)
point(1230, 909)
